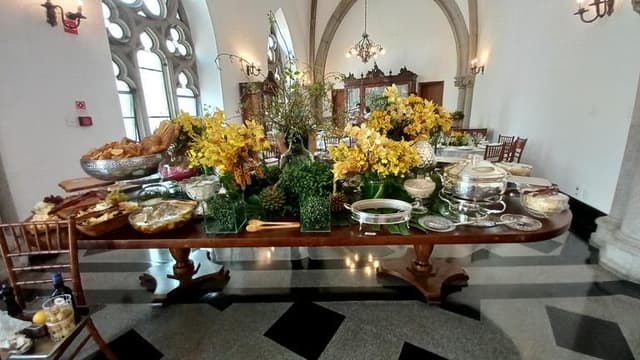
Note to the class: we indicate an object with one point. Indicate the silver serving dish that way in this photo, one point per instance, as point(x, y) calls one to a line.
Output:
point(122, 169)
point(360, 214)
point(472, 211)
point(474, 180)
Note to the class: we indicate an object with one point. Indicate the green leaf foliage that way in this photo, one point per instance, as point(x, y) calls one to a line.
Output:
point(308, 179)
point(271, 176)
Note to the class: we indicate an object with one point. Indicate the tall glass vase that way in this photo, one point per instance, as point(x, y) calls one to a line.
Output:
point(225, 213)
point(373, 188)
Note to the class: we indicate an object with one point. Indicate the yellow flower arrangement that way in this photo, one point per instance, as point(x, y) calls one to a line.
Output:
point(409, 118)
point(458, 138)
point(230, 148)
point(373, 152)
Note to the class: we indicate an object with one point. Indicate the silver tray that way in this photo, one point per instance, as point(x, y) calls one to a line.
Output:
point(359, 213)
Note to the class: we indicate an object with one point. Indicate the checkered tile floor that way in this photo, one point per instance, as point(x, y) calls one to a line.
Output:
point(545, 300)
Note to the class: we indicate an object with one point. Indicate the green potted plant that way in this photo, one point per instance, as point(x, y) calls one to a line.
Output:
point(294, 111)
point(310, 185)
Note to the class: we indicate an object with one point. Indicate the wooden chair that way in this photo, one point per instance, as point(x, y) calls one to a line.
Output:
point(502, 139)
point(516, 150)
point(494, 152)
point(271, 156)
point(330, 141)
point(48, 238)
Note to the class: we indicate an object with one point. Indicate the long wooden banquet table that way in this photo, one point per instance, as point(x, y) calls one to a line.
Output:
point(416, 266)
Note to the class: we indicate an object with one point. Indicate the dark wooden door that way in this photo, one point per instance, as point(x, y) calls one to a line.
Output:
point(432, 90)
point(339, 107)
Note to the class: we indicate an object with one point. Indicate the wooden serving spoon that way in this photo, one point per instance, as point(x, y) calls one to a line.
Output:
point(257, 225)
point(271, 223)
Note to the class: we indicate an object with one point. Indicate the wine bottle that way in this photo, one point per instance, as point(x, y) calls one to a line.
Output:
point(13, 308)
point(61, 289)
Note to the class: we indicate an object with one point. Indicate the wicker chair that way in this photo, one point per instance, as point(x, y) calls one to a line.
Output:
point(48, 238)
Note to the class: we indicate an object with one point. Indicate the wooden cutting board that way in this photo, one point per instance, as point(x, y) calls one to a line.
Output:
point(72, 185)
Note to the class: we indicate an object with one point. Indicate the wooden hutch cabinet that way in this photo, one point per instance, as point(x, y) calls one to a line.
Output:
point(363, 90)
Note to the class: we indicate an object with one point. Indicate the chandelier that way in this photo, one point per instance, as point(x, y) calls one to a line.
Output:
point(365, 49)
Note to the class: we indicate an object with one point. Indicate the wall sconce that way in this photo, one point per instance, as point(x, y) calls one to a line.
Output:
point(603, 8)
point(475, 68)
point(248, 67)
point(70, 20)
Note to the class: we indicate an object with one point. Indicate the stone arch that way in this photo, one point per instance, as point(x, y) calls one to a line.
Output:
point(463, 79)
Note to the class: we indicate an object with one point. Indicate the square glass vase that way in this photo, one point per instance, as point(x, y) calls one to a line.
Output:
point(315, 213)
point(224, 214)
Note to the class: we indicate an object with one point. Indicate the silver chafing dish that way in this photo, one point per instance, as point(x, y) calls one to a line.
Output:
point(474, 180)
point(473, 189)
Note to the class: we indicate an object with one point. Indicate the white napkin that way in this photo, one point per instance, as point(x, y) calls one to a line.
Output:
point(9, 326)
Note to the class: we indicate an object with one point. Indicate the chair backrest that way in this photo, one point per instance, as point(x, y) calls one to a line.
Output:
point(475, 132)
point(20, 240)
point(517, 148)
point(503, 139)
point(271, 155)
point(330, 141)
point(494, 152)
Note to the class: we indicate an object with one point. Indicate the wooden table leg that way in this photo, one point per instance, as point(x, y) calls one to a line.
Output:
point(428, 276)
point(188, 286)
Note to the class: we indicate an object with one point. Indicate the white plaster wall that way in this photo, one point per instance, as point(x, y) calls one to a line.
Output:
point(43, 72)
point(323, 14)
point(567, 86)
point(206, 49)
point(242, 27)
point(415, 33)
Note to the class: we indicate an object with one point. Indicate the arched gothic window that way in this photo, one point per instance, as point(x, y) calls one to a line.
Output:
point(280, 53)
point(153, 62)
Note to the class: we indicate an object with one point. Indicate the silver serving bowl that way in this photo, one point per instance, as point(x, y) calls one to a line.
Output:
point(122, 169)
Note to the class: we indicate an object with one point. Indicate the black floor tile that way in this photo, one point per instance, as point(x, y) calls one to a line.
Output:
point(132, 345)
point(469, 308)
point(482, 254)
point(217, 300)
point(412, 352)
point(588, 335)
point(545, 247)
point(305, 328)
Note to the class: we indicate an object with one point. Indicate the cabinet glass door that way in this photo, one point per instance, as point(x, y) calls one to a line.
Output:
point(371, 94)
point(353, 99)
point(403, 90)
